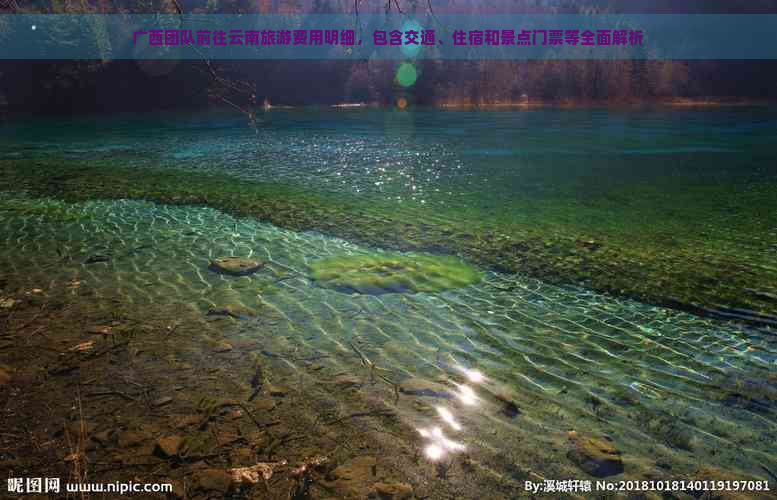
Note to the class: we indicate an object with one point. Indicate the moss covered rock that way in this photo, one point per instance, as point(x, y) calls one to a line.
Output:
point(235, 266)
point(595, 456)
point(393, 273)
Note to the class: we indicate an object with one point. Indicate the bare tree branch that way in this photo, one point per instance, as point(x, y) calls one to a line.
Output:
point(244, 88)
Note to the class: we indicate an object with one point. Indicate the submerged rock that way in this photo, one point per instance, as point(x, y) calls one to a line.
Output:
point(95, 259)
point(264, 404)
point(354, 479)
point(183, 421)
point(102, 437)
point(422, 407)
point(242, 457)
point(392, 273)
point(232, 310)
point(278, 391)
point(424, 388)
point(5, 377)
point(179, 490)
point(596, 457)
point(168, 446)
point(213, 480)
point(221, 346)
point(161, 401)
point(356, 468)
point(258, 440)
point(394, 491)
point(588, 243)
point(100, 330)
point(510, 409)
point(235, 266)
point(129, 439)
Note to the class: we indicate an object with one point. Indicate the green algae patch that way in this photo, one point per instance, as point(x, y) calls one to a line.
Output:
point(377, 274)
point(674, 246)
point(47, 209)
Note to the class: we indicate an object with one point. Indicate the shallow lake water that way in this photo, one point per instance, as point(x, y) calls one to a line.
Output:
point(510, 364)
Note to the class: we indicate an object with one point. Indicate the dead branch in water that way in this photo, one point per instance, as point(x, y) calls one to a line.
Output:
point(77, 449)
point(375, 370)
point(373, 413)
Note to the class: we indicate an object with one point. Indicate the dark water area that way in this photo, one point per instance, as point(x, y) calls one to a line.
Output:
point(544, 350)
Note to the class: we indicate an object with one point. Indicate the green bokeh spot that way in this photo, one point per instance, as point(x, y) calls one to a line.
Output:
point(406, 74)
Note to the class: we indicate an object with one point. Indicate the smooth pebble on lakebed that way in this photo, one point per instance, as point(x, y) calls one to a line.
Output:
point(235, 266)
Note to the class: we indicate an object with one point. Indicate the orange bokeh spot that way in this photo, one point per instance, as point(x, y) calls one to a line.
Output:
point(401, 103)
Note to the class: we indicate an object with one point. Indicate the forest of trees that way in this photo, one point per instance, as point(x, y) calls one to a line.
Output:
point(67, 86)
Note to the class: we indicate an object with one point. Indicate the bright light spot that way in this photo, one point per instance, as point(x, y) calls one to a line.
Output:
point(401, 103)
point(438, 444)
point(447, 416)
point(474, 376)
point(467, 395)
point(452, 445)
point(434, 452)
point(406, 74)
point(34, 27)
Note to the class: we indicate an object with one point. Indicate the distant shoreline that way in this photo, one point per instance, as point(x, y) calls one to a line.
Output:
point(678, 102)
point(575, 103)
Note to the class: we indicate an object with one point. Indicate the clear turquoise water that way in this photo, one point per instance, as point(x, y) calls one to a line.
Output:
point(571, 359)
point(427, 155)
